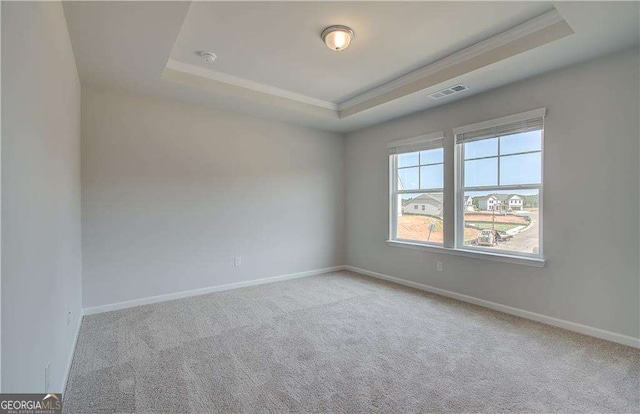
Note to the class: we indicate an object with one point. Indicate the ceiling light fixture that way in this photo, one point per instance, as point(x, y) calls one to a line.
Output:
point(337, 38)
point(208, 56)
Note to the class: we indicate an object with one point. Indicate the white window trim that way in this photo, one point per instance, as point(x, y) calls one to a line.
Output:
point(456, 247)
point(484, 255)
point(393, 181)
point(460, 188)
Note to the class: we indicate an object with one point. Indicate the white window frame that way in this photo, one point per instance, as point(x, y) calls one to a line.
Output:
point(412, 144)
point(454, 237)
point(461, 189)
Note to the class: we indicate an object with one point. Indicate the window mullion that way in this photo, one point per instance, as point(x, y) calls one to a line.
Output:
point(419, 169)
point(458, 194)
point(504, 155)
point(513, 187)
point(499, 161)
point(423, 191)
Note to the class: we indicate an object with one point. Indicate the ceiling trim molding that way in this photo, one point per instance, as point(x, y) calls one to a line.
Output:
point(524, 37)
point(240, 92)
point(188, 68)
point(546, 22)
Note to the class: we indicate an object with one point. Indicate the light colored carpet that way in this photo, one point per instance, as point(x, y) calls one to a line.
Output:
point(341, 342)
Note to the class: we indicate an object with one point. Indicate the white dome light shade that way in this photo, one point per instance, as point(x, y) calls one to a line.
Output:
point(337, 38)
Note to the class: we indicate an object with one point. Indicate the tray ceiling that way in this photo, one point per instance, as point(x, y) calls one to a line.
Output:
point(272, 63)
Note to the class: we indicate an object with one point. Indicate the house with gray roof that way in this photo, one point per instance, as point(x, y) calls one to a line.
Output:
point(425, 204)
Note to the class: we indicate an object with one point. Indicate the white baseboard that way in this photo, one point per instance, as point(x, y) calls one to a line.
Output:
point(70, 359)
point(203, 291)
point(560, 323)
point(549, 320)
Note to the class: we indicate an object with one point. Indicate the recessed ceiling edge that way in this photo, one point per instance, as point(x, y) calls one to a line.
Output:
point(527, 36)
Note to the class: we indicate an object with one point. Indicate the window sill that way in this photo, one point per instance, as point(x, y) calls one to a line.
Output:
point(526, 261)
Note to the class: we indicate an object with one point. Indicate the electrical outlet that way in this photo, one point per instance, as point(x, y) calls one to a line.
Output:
point(439, 266)
point(237, 261)
point(68, 316)
point(47, 376)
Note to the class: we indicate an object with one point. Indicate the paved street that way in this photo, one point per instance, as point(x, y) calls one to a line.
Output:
point(525, 241)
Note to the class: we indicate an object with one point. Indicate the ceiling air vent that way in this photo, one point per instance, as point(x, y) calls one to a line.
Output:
point(448, 91)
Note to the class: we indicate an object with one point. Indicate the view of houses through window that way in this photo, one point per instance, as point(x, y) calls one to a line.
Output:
point(420, 217)
point(500, 186)
point(502, 220)
point(502, 183)
point(420, 183)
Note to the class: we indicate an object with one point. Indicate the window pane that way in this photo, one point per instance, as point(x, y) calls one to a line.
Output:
point(521, 169)
point(431, 156)
point(408, 160)
point(420, 217)
point(481, 172)
point(408, 178)
point(482, 148)
point(502, 220)
point(431, 177)
point(525, 142)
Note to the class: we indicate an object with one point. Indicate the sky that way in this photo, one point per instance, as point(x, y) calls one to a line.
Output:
point(514, 169)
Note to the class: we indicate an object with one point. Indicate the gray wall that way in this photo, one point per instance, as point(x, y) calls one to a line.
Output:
point(41, 249)
point(590, 196)
point(171, 192)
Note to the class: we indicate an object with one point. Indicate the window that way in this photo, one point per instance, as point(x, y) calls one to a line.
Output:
point(500, 168)
point(417, 182)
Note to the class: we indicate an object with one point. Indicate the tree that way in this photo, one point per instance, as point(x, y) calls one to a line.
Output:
point(531, 201)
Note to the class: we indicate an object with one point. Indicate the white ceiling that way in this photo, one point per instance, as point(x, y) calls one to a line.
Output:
point(278, 43)
point(128, 45)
